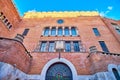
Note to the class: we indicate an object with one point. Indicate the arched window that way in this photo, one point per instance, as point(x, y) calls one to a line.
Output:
point(9, 26)
point(66, 31)
point(53, 31)
point(73, 31)
point(60, 31)
point(116, 74)
point(3, 17)
point(6, 20)
point(59, 71)
point(8, 23)
point(46, 31)
point(1, 14)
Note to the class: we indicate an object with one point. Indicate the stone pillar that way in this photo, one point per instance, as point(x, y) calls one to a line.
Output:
point(72, 47)
point(43, 32)
point(70, 31)
point(56, 31)
point(47, 46)
point(63, 31)
point(49, 31)
point(77, 31)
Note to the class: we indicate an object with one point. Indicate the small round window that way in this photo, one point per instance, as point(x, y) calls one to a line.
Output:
point(60, 21)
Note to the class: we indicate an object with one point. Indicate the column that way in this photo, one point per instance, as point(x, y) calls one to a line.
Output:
point(70, 31)
point(49, 31)
point(77, 31)
point(72, 47)
point(56, 31)
point(47, 46)
point(43, 32)
point(1, 15)
point(63, 31)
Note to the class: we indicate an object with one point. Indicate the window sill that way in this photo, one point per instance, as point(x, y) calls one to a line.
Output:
point(58, 52)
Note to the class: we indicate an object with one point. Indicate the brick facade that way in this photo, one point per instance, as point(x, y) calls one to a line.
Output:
point(84, 65)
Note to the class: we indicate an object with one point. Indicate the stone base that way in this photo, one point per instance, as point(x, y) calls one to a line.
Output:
point(8, 72)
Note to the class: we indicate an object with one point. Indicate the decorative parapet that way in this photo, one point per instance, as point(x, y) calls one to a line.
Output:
point(60, 14)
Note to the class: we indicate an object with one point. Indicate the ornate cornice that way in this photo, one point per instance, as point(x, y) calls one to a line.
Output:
point(60, 14)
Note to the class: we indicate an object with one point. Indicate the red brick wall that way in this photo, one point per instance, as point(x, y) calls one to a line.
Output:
point(10, 12)
point(84, 65)
point(16, 54)
point(84, 25)
point(4, 32)
point(100, 62)
point(13, 52)
point(111, 28)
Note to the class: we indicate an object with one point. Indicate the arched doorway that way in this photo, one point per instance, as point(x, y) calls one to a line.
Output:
point(59, 71)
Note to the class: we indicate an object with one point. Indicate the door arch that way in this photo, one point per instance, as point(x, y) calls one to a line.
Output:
point(59, 71)
point(57, 60)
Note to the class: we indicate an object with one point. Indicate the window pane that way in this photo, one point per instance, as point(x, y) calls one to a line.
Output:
point(60, 32)
point(46, 32)
point(116, 74)
point(67, 31)
point(103, 45)
point(51, 46)
point(117, 27)
point(67, 46)
point(96, 32)
point(53, 31)
point(25, 32)
point(73, 31)
point(118, 30)
point(76, 46)
point(1, 13)
point(43, 46)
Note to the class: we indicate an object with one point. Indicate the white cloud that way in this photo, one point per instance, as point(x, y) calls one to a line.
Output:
point(110, 7)
point(104, 13)
point(32, 10)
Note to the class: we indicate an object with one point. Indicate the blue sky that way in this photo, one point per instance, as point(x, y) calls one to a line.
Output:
point(107, 8)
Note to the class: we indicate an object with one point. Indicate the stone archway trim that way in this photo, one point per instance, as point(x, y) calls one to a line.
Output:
point(62, 60)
